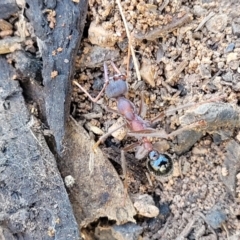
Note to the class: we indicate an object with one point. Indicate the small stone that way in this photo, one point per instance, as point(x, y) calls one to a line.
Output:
point(128, 231)
point(236, 29)
point(165, 209)
point(236, 87)
point(221, 65)
point(199, 11)
point(153, 97)
point(99, 36)
point(232, 57)
point(120, 133)
point(176, 172)
point(224, 171)
point(232, 157)
point(96, 56)
point(148, 72)
point(238, 136)
point(216, 218)
point(230, 48)
point(234, 65)
point(145, 206)
point(238, 176)
point(94, 129)
point(69, 181)
point(161, 146)
point(217, 23)
point(199, 151)
point(205, 71)
point(228, 77)
point(186, 167)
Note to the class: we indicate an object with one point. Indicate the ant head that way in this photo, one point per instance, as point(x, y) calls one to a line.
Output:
point(159, 164)
point(119, 77)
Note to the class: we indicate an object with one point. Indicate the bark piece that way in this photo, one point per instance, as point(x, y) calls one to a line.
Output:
point(34, 203)
point(98, 191)
point(66, 34)
point(8, 7)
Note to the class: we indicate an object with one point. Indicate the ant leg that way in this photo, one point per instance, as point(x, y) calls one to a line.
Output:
point(103, 137)
point(142, 109)
point(124, 168)
point(149, 132)
point(125, 183)
point(162, 114)
point(163, 134)
point(199, 124)
point(100, 93)
point(129, 53)
point(130, 146)
point(115, 68)
point(108, 109)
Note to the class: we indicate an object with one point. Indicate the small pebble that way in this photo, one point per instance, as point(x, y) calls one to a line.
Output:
point(199, 151)
point(216, 218)
point(120, 133)
point(186, 167)
point(147, 72)
point(236, 87)
point(145, 206)
point(69, 181)
point(205, 71)
point(232, 57)
point(127, 231)
point(224, 171)
point(236, 29)
point(230, 48)
point(94, 129)
point(217, 23)
point(153, 97)
point(199, 11)
point(99, 36)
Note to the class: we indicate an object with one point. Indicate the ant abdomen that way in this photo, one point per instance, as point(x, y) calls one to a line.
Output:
point(159, 164)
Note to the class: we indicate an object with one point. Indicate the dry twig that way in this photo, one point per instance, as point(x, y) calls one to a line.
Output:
point(202, 23)
point(129, 41)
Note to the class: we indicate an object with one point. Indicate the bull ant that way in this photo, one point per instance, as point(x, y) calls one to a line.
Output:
point(116, 87)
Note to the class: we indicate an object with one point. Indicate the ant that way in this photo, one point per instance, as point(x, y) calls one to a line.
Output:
point(116, 87)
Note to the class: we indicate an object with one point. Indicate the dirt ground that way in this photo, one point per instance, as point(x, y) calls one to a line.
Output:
point(185, 65)
point(187, 52)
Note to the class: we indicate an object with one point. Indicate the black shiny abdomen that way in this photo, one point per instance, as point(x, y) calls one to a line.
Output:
point(159, 164)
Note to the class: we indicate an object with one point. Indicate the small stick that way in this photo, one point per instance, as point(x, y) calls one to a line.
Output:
point(161, 31)
point(191, 104)
point(123, 164)
point(163, 231)
point(85, 91)
point(225, 228)
point(178, 70)
point(164, 4)
point(187, 229)
point(129, 41)
point(149, 179)
point(211, 229)
point(202, 23)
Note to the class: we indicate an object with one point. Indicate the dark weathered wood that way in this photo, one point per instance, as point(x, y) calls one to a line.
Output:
point(97, 191)
point(8, 7)
point(33, 201)
point(70, 20)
